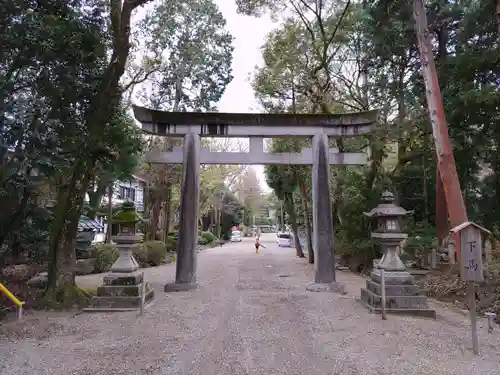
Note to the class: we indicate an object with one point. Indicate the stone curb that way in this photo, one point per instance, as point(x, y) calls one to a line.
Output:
point(449, 306)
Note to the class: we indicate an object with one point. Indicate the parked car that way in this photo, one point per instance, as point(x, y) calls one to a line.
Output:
point(284, 239)
point(236, 236)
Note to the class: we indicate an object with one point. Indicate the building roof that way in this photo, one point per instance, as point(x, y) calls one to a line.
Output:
point(86, 223)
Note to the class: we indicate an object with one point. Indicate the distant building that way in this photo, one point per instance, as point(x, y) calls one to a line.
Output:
point(132, 190)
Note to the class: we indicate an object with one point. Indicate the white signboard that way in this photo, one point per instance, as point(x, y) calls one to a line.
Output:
point(471, 254)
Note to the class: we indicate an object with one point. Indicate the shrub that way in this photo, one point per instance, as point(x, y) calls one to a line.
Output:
point(140, 253)
point(202, 241)
point(208, 236)
point(156, 252)
point(150, 253)
point(105, 255)
point(171, 242)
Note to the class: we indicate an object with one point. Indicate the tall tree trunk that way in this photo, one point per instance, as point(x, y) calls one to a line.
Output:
point(219, 222)
point(95, 198)
point(156, 212)
point(290, 209)
point(305, 197)
point(61, 283)
point(166, 211)
point(62, 256)
point(153, 223)
point(169, 209)
point(110, 212)
point(149, 201)
point(15, 219)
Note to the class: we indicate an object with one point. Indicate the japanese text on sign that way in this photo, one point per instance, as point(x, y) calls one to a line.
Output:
point(471, 254)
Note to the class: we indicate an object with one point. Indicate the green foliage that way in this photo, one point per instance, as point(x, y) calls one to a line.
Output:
point(105, 255)
point(283, 179)
point(202, 241)
point(45, 93)
point(172, 241)
point(421, 239)
point(208, 236)
point(150, 253)
point(140, 253)
point(157, 251)
point(190, 52)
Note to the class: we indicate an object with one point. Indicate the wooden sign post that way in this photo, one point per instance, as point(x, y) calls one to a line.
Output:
point(471, 267)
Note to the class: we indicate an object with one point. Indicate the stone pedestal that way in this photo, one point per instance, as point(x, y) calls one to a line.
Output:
point(123, 287)
point(324, 259)
point(402, 295)
point(185, 269)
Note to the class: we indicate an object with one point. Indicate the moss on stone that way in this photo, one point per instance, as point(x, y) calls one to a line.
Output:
point(127, 214)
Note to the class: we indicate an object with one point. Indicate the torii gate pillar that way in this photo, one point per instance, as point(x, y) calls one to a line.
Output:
point(185, 271)
point(324, 259)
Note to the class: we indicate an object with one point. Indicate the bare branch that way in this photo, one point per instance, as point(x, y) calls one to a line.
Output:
point(305, 21)
point(342, 15)
point(137, 79)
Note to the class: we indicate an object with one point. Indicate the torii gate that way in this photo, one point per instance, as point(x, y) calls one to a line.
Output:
point(256, 127)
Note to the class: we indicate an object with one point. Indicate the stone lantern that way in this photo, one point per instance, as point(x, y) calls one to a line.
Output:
point(402, 295)
point(387, 231)
point(126, 219)
point(123, 287)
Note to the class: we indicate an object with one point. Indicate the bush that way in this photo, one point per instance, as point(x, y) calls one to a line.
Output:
point(208, 236)
point(140, 253)
point(156, 252)
point(150, 253)
point(202, 241)
point(172, 241)
point(105, 255)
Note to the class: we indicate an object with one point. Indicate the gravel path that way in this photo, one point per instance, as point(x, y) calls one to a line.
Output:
point(251, 315)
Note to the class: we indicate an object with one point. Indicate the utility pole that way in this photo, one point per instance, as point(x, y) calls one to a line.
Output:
point(448, 194)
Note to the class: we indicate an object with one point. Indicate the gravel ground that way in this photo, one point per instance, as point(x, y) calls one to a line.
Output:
point(251, 315)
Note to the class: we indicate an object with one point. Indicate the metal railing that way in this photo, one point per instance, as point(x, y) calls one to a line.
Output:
point(13, 298)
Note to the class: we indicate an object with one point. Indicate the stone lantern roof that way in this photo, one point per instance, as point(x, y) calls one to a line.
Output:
point(387, 207)
point(127, 214)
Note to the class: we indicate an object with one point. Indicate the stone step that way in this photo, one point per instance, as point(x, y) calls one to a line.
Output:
point(119, 290)
point(393, 277)
point(393, 290)
point(133, 278)
point(426, 313)
point(116, 302)
point(120, 302)
point(394, 302)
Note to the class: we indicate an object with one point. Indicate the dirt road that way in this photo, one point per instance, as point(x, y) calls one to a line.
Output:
point(251, 315)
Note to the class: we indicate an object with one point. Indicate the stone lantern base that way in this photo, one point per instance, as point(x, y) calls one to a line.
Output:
point(402, 295)
point(121, 292)
point(122, 288)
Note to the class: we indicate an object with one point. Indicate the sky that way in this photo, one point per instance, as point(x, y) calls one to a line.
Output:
point(249, 35)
